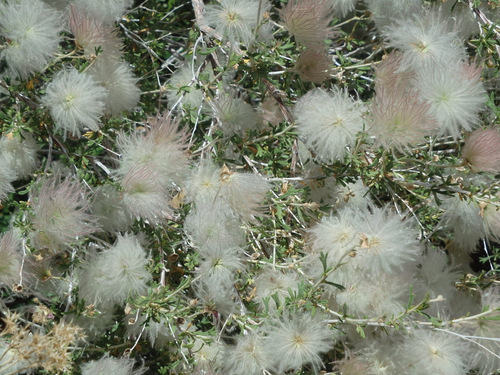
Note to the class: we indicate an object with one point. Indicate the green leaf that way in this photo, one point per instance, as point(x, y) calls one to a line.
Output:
point(360, 330)
point(338, 286)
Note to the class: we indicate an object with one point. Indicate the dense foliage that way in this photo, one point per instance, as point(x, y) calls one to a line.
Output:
point(249, 187)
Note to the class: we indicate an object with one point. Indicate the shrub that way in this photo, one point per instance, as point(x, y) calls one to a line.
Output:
point(249, 186)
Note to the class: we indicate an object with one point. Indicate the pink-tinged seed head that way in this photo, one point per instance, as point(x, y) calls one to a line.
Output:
point(481, 151)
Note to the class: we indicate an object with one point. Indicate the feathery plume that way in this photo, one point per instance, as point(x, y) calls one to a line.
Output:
point(32, 29)
point(432, 352)
point(425, 41)
point(329, 121)
point(234, 114)
point(120, 83)
point(114, 274)
point(455, 94)
point(248, 356)
point(19, 153)
point(308, 21)
point(108, 365)
point(313, 65)
point(91, 34)
point(297, 340)
point(105, 11)
point(75, 101)
point(236, 20)
point(10, 256)
point(60, 213)
point(481, 150)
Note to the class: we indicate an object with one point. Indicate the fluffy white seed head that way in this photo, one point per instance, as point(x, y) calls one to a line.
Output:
point(106, 11)
point(381, 297)
point(60, 213)
point(218, 266)
point(158, 333)
point(436, 277)
point(335, 236)
point(243, 192)
point(144, 193)
point(486, 331)
point(10, 255)
point(208, 353)
point(162, 146)
point(314, 65)
point(32, 29)
point(399, 118)
point(379, 357)
point(463, 216)
point(388, 12)
point(75, 101)
point(7, 176)
point(431, 352)
point(388, 242)
point(121, 85)
point(110, 210)
point(234, 114)
point(481, 150)
point(274, 283)
point(464, 21)
point(343, 7)
point(213, 226)
point(355, 195)
point(20, 153)
point(203, 184)
point(329, 121)
point(425, 41)
point(308, 21)
point(455, 95)
point(114, 274)
point(183, 88)
point(152, 163)
point(92, 35)
point(236, 20)
point(217, 298)
point(95, 325)
point(108, 365)
point(247, 356)
point(297, 340)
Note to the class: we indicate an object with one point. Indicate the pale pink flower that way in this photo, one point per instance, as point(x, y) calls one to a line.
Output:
point(91, 34)
point(308, 20)
point(60, 213)
point(389, 75)
point(313, 65)
point(162, 146)
point(144, 193)
point(481, 151)
point(399, 119)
